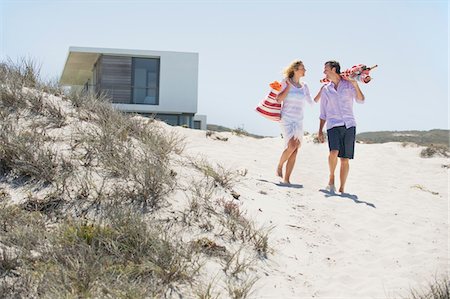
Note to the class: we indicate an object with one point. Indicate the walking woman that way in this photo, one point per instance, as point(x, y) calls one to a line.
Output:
point(294, 95)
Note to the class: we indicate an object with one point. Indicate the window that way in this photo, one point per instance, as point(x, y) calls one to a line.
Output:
point(145, 81)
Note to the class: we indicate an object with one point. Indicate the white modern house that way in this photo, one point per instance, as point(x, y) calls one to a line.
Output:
point(160, 83)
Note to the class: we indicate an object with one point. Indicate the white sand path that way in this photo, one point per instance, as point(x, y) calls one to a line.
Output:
point(388, 235)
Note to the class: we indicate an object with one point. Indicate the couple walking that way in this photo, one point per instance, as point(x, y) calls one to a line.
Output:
point(336, 111)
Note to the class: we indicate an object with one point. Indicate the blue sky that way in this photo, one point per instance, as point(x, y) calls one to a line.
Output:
point(244, 45)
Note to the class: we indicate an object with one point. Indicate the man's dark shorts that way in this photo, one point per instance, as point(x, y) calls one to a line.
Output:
point(343, 140)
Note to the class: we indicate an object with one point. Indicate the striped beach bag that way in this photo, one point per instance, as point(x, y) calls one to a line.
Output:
point(269, 107)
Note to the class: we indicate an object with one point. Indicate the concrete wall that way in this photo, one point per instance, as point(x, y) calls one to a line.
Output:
point(202, 119)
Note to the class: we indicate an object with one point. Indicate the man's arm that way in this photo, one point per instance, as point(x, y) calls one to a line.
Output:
point(323, 117)
point(320, 135)
point(359, 95)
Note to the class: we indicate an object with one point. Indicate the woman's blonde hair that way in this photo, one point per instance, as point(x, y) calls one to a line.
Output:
point(289, 71)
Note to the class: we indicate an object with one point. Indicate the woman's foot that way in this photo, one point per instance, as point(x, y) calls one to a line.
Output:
point(330, 188)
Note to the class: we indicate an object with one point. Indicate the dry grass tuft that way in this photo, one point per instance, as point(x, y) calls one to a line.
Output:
point(20, 229)
point(439, 289)
point(89, 259)
point(8, 264)
point(222, 176)
point(208, 247)
point(435, 150)
point(241, 288)
point(51, 204)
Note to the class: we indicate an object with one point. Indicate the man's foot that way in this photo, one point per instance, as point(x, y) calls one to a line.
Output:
point(341, 190)
point(280, 171)
point(331, 188)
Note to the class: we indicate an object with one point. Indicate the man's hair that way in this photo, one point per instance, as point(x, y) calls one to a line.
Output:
point(334, 64)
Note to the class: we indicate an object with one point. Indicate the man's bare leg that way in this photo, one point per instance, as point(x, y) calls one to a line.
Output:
point(332, 163)
point(290, 164)
point(345, 168)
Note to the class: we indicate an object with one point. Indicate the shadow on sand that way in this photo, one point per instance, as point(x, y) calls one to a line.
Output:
point(280, 184)
point(346, 195)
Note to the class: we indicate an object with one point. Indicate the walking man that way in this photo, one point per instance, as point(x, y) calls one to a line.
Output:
point(336, 110)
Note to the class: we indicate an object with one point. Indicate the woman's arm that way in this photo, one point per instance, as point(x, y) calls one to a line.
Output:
point(307, 94)
point(282, 95)
point(317, 97)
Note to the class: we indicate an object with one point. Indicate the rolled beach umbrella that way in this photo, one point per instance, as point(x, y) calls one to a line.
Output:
point(359, 72)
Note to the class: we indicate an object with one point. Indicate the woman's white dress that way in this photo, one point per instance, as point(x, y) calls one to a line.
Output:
point(292, 111)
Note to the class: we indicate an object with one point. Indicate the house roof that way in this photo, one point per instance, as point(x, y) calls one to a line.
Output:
point(78, 67)
point(81, 60)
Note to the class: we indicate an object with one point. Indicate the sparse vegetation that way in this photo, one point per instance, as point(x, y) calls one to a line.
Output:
point(96, 183)
point(424, 138)
point(208, 247)
point(92, 257)
point(20, 228)
point(439, 289)
point(216, 128)
point(8, 264)
point(207, 292)
point(222, 177)
point(27, 154)
point(214, 136)
point(240, 288)
point(231, 221)
point(435, 150)
point(240, 131)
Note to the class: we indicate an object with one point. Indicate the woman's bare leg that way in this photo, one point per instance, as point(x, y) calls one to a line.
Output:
point(292, 146)
point(290, 164)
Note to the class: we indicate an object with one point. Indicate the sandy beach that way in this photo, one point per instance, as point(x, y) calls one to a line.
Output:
point(386, 236)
